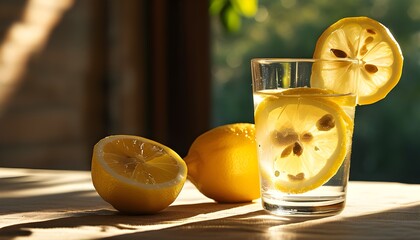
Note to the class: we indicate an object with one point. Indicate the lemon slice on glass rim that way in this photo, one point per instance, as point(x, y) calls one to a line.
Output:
point(308, 135)
point(375, 59)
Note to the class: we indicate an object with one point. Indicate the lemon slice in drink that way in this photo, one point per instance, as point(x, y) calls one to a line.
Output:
point(375, 64)
point(305, 137)
point(137, 175)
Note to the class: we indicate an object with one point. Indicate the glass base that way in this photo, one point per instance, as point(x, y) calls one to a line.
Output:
point(304, 206)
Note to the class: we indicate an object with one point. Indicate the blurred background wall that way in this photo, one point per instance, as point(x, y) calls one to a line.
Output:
point(74, 71)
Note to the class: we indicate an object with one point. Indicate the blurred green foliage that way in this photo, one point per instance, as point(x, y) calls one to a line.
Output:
point(231, 12)
point(385, 143)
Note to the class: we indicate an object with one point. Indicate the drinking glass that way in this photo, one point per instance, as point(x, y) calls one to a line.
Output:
point(303, 134)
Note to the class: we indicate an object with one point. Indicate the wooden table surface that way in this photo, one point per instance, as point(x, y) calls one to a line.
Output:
point(54, 204)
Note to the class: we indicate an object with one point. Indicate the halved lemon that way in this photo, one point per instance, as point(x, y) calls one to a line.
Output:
point(303, 138)
point(137, 175)
point(372, 59)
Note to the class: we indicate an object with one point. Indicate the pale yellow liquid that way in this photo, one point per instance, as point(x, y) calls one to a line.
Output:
point(327, 199)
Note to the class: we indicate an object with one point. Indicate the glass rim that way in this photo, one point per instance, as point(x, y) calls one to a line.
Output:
point(328, 95)
point(300, 60)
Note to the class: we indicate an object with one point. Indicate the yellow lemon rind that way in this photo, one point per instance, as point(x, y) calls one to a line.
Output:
point(222, 163)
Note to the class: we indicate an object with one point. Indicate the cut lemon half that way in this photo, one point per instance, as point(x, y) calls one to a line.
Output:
point(137, 175)
point(372, 59)
point(303, 138)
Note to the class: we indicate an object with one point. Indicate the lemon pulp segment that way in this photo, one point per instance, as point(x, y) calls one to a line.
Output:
point(141, 162)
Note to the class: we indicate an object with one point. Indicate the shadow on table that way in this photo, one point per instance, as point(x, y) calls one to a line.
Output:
point(397, 223)
point(40, 199)
point(109, 220)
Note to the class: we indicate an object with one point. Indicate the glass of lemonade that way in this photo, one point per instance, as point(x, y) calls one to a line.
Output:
point(303, 134)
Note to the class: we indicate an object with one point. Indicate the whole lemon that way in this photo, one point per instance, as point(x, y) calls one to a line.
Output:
point(222, 163)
